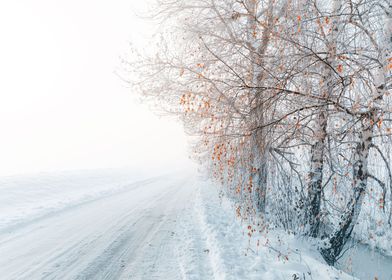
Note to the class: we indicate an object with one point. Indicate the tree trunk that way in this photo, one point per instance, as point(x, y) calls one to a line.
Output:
point(349, 218)
point(261, 184)
point(316, 176)
point(317, 149)
point(257, 52)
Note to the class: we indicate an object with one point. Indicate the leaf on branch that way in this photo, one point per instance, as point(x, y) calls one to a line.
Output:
point(379, 123)
point(340, 68)
point(389, 66)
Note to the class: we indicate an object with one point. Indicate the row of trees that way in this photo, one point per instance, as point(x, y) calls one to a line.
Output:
point(289, 103)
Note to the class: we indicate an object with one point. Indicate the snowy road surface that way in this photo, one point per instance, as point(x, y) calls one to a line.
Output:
point(128, 234)
point(108, 225)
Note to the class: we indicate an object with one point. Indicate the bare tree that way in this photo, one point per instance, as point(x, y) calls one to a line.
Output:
point(286, 101)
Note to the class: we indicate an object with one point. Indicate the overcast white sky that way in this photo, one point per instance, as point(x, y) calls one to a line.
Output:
point(61, 106)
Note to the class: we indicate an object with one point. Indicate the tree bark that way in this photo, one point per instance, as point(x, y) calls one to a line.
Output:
point(317, 150)
point(338, 239)
point(258, 50)
point(316, 176)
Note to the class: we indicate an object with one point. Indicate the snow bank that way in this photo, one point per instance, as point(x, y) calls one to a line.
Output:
point(236, 255)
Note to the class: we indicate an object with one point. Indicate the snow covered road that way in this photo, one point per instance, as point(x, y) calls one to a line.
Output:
point(109, 225)
point(127, 234)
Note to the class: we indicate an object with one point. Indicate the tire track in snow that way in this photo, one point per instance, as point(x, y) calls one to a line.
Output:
point(111, 238)
point(157, 256)
point(71, 207)
point(69, 256)
point(112, 261)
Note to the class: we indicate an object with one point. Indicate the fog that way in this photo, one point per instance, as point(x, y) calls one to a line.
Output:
point(62, 107)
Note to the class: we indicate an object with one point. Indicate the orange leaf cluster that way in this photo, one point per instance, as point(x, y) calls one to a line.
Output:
point(219, 150)
point(389, 66)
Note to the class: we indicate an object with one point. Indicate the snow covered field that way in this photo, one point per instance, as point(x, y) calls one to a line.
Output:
point(117, 225)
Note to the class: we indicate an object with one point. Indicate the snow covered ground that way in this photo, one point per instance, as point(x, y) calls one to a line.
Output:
point(23, 198)
point(120, 225)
